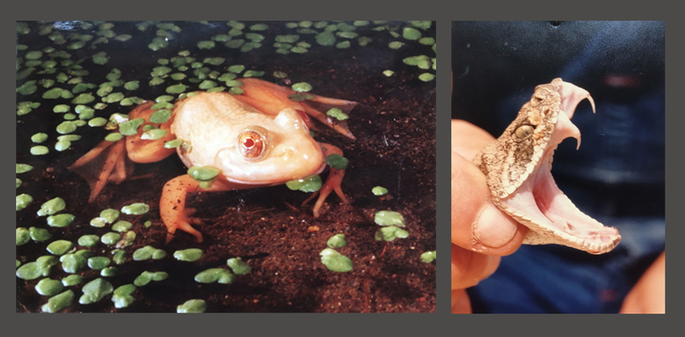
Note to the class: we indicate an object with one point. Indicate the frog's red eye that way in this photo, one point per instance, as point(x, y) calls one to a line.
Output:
point(251, 144)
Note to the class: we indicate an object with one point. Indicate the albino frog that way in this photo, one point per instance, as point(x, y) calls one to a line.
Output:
point(258, 138)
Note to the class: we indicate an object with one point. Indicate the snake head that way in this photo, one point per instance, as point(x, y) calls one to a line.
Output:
point(518, 172)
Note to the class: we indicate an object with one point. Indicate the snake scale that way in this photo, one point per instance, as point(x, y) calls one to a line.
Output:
point(518, 167)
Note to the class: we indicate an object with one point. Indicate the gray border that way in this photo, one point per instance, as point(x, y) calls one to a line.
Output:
point(394, 324)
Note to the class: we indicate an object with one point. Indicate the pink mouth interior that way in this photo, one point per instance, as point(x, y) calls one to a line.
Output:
point(539, 198)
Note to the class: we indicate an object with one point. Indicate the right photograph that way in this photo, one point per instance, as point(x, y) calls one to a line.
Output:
point(541, 224)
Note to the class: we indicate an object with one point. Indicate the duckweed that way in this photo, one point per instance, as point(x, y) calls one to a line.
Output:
point(146, 277)
point(335, 261)
point(52, 206)
point(127, 239)
point(122, 295)
point(58, 302)
point(59, 247)
point(189, 255)
point(48, 287)
point(23, 200)
point(428, 257)
point(110, 238)
point(176, 89)
point(336, 241)
point(337, 161)
point(426, 77)
point(60, 220)
point(379, 190)
point(388, 73)
point(130, 128)
point(95, 291)
point(337, 114)
point(73, 262)
point(23, 236)
point(396, 44)
point(410, 33)
point(390, 233)
point(88, 240)
point(119, 256)
point(238, 266)
point(192, 306)
point(389, 218)
point(39, 234)
point(23, 168)
point(203, 173)
point(98, 262)
point(114, 136)
point(72, 280)
point(173, 143)
point(160, 116)
point(62, 145)
point(83, 98)
point(308, 184)
point(148, 252)
point(109, 272)
point(212, 275)
point(302, 87)
point(66, 127)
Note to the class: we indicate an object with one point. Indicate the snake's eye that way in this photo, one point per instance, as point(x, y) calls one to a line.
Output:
point(252, 143)
point(524, 131)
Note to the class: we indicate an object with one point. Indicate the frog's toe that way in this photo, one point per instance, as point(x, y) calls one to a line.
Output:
point(332, 184)
point(104, 163)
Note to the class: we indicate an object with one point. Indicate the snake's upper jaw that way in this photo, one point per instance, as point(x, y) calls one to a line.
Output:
point(544, 208)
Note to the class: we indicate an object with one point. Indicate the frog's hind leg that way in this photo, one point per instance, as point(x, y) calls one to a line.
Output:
point(332, 183)
point(104, 163)
point(271, 98)
point(109, 161)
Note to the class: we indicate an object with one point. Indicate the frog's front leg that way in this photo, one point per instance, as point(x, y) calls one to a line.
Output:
point(333, 182)
point(172, 205)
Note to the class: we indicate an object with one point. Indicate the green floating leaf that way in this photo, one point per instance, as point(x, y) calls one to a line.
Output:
point(308, 184)
point(325, 38)
point(72, 280)
point(390, 233)
point(23, 168)
point(23, 236)
point(203, 173)
point(337, 114)
point(428, 257)
point(59, 247)
point(302, 87)
point(335, 261)
point(336, 241)
point(188, 255)
point(426, 77)
point(238, 266)
point(52, 206)
point(337, 161)
point(212, 275)
point(130, 128)
point(49, 287)
point(122, 295)
point(389, 218)
point(39, 234)
point(95, 290)
point(136, 208)
point(58, 302)
point(410, 33)
point(60, 220)
point(379, 190)
point(23, 200)
point(192, 306)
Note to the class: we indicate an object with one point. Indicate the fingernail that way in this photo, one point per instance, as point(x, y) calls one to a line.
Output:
point(493, 228)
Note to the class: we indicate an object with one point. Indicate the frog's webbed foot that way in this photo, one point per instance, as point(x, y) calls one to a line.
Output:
point(104, 163)
point(271, 99)
point(332, 183)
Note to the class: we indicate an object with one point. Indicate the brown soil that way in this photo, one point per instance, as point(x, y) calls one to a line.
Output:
point(267, 227)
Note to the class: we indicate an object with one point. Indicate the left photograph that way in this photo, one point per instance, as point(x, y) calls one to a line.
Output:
point(203, 166)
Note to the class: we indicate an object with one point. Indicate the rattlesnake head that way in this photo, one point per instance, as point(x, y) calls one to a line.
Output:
point(518, 172)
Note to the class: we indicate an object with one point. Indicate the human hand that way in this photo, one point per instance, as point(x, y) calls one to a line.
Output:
point(481, 233)
point(648, 296)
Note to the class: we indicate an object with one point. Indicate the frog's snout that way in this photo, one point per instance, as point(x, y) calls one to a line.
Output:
point(290, 120)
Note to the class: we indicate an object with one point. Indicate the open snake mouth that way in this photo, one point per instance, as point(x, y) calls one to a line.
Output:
point(539, 204)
